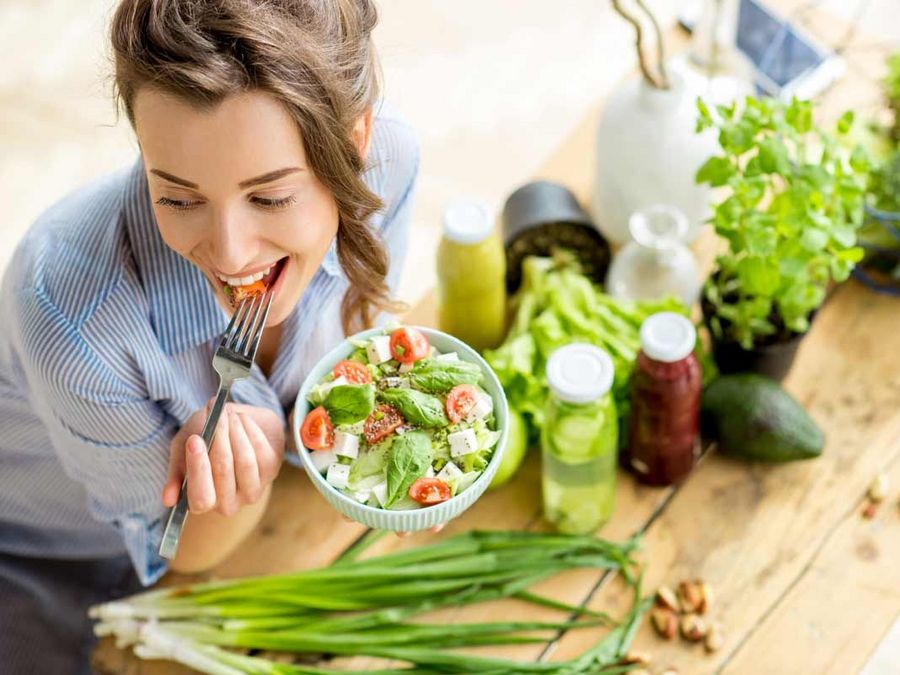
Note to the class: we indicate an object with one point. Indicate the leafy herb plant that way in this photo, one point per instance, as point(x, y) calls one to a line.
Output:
point(793, 205)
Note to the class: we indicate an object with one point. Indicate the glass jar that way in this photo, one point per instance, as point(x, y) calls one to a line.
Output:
point(656, 263)
point(471, 269)
point(579, 440)
point(664, 429)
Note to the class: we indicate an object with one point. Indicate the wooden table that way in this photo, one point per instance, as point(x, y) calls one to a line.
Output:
point(803, 583)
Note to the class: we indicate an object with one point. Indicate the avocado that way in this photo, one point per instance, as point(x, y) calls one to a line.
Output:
point(752, 417)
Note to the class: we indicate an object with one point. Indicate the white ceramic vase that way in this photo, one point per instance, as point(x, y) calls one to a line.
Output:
point(648, 153)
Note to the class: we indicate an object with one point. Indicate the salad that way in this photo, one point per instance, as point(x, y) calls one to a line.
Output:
point(397, 425)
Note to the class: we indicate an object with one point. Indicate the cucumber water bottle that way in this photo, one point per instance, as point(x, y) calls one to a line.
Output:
point(579, 439)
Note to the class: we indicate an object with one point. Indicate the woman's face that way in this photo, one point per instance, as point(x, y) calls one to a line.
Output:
point(233, 192)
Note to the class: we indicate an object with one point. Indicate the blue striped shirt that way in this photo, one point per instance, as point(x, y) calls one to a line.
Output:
point(106, 350)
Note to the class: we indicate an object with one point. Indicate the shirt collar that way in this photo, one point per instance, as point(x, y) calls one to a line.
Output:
point(183, 308)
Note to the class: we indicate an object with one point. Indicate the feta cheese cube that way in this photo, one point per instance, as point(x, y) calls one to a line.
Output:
point(346, 445)
point(481, 409)
point(462, 442)
point(322, 459)
point(379, 349)
point(449, 356)
point(328, 386)
point(380, 493)
point(338, 475)
point(394, 382)
point(449, 472)
point(362, 496)
point(406, 367)
point(430, 472)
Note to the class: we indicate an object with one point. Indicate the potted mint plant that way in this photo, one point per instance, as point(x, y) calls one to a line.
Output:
point(793, 200)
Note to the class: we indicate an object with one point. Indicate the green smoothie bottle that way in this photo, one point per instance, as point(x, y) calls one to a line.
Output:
point(471, 269)
point(578, 441)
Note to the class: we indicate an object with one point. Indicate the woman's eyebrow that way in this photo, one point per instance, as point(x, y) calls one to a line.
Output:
point(258, 180)
point(269, 177)
point(174, 179)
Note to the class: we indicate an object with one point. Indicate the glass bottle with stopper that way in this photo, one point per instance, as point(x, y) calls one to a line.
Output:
point(656, 263)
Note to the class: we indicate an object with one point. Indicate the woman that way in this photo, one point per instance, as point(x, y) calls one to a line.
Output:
point(263, 150)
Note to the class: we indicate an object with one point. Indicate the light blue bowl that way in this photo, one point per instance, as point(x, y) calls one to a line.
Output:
point(414, 519)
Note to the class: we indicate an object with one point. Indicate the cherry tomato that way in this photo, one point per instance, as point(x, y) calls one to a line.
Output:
point(353, 371)
point(408, 345)
point(429, 491)
point(317, 431)
point(383, 421)
point(460, 401)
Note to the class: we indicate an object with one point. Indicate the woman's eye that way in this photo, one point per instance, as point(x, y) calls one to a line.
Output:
point(273, 203)
point(177, 204)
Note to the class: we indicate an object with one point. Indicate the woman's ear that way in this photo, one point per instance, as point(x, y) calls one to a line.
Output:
point(362, 132)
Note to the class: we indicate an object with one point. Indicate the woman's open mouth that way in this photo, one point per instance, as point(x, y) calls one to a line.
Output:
point(250, 286)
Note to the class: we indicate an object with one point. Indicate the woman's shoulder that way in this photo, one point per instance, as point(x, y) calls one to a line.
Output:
point(393, 160)
point(71, 255)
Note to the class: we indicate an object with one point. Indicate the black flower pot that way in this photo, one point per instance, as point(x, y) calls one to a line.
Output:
point(773, 359)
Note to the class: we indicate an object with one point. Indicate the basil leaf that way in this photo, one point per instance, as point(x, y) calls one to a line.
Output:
point(417, 407)
point(350, 403)
point(438, 377)
point(409, 460)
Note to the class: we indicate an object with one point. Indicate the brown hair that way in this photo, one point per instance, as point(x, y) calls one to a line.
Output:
point(315, 56)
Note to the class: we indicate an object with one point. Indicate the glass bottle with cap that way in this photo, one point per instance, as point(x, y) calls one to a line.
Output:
point(579, 439)
point(657, 263)
point(471, 269)
point(664, 429)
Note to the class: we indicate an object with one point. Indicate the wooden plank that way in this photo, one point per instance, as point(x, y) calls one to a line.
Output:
point(835, 614)
point(751, 531)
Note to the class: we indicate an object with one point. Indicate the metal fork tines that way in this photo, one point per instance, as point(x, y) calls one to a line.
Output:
point(232, 361)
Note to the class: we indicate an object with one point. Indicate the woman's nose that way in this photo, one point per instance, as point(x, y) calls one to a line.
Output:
point(233, 247)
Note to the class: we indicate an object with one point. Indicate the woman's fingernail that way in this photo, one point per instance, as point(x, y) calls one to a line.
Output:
point(195, 445)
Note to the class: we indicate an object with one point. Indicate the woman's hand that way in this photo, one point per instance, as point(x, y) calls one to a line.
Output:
point(246, 455)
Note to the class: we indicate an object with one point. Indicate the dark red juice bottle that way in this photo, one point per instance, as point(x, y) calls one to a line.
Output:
point(664, 430)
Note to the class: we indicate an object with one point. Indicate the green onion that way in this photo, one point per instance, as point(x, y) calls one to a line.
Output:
point(371, 608)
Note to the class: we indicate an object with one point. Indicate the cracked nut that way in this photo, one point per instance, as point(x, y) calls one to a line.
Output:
point(878, 489)
point(637, 658)
point(665, 621)
point(665, 597)
point(693, 628)
point(869, 511)
point(706, 597)
point(694, 596)
point(714, 640)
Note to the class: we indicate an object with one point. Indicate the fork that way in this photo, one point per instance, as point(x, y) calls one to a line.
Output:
point(232, 361)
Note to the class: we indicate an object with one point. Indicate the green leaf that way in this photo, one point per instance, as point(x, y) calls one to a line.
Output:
point(844, 234)
point(410, 457)
point(704, 119)
point(350, 403)
point(416, 407)
point(758, 276)
point(436, 376)
point(716, 171)
point(845, 122)
point(773, 156)
point(737, 138)
point(799, 115)
point(814, 239)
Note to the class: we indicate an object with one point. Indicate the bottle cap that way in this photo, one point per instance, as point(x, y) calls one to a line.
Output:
point(467, 221)
point(668, 337)
point(579, 373)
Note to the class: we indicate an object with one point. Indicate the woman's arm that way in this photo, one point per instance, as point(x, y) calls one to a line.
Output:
point(207, 539)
